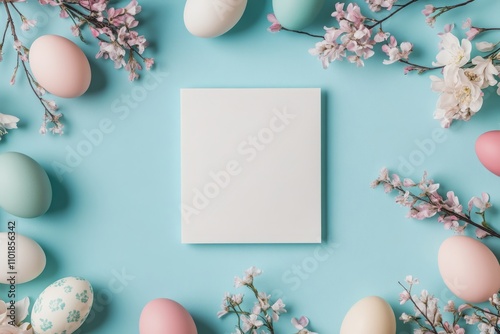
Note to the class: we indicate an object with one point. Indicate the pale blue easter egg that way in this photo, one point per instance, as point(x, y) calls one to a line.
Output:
point(296, 14)
point(25, 189)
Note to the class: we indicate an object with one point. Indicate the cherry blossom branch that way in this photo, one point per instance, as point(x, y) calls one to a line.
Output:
point(401, 7)
point(263, 315)
point(114, 28)
point(424, 314)
point(421, 68)
point(444, 9)
point(302, 32)
point(462, 217)
point(21, 60)
point(430, 203)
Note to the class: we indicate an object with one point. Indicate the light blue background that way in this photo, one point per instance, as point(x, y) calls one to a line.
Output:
point(117, 210)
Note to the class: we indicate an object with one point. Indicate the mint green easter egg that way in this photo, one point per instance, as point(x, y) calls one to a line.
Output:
point(296, 14)
point(25, 189)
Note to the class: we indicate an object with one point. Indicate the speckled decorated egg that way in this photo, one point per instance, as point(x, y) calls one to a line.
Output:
point(62, 307)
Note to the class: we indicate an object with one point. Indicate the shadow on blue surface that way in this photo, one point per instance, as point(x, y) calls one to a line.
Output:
point(51, 267)
point(324, 166)
point(99, 79)
point(202, 327)
point(60, 195)
point(253, 13)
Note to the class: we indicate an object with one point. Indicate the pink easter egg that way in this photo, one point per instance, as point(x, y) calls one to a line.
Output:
point(488, 151)
point(165, 316)
point(469, 269)
point(60, 66)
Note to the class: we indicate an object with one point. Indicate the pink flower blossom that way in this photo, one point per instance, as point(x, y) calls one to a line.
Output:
point(381, 36)
point(329, 50)
point(354, 14)
point(449, 328)
point(300, 323)
point(430, 20)
point(275, 25)
point(450, 222)
point(27, 24)
point(467, 23)
point(149, 62)
point(450, 306)
point(472, 33)
point(377, 5)
point(452, 203)
point(339, 12)
point(404, 297)
point(482, 203)
point(428, 10)
point(396, 53)
point(133, 8)
point(447, 28)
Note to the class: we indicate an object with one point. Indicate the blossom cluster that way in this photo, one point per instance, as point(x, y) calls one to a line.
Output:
point(464, 79)
point(428, 317)
point(7, 122)
point(264, 313)
point(114, 29)
point(428, 202)
point(6, 326)
point(352, 39)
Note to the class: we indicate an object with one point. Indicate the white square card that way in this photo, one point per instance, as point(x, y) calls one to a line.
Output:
point(251, 165)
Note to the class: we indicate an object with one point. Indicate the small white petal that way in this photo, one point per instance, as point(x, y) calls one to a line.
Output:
point(485, 46)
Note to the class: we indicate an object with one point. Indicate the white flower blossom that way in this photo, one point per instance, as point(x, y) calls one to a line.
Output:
point(22, 307)
point(485, 46)
point(483, 74)
point(460, 97)
point(7, 122)
point(251, 322)
point(452, 52)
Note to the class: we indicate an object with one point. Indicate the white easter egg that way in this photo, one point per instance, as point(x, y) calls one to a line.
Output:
point(212, 18)
point(21, 258)
point(62, 307)
point(369, 315)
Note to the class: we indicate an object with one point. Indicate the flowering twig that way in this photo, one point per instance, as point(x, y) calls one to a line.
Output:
point(355, 36)
point(400, 8)
point(112, 27)
point(429, 203)
point(426, 305)
point(22, 58)
point(263, 314)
